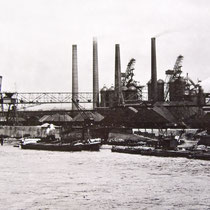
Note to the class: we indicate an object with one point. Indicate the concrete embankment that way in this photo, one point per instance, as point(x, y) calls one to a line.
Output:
point(20, 131)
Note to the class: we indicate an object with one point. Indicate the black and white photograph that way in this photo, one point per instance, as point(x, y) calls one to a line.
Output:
point(104, 104)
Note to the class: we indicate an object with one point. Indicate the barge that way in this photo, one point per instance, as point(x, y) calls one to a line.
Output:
point(202, 155)
point(37, 144)
point(52, 147)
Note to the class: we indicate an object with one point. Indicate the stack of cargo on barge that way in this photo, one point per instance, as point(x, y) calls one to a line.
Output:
point(170, 147)
point(150, 151)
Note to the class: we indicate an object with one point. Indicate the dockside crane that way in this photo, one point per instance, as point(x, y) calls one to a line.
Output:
point(191, 88)
point(128, 80)
point(171, 74)
point(127, 77)
point(88, 119)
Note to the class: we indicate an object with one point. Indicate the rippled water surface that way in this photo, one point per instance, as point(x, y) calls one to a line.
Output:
point(31, 179)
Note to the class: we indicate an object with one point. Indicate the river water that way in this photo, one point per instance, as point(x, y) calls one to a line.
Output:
point(31, 179)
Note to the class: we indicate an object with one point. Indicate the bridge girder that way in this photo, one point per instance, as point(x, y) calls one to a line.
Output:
point(44, 97)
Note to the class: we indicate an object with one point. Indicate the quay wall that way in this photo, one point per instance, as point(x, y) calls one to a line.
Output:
point(20, 131)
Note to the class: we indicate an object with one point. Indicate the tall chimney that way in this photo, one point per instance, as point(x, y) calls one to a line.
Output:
point(153, 71)
point(117, 74)
point(1, 96)
point(0, 82)
point(95, 75)
point(74, 76)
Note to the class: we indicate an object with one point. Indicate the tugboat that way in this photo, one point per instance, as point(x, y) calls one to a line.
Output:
point(49, 143)
point(53, 144)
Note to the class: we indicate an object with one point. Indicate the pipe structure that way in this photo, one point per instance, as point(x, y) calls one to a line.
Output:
point(74, 76)
point(117, 75)
point(153, 71)
point(95, 75)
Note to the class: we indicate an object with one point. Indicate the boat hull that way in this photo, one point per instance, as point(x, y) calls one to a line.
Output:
point(51, 147)
point(91, 147)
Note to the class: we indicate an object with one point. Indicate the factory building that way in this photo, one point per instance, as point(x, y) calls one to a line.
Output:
point(108, 95)
point(159, 92)
point(166, 99)
point(176, 88)
point(120, 93)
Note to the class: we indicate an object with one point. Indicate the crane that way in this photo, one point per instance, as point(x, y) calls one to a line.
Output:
point(88, 119)
point(87, 116)
point(127, 79)
point(171, 74)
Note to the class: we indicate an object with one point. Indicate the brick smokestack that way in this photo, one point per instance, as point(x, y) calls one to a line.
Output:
point(153, 71)
point(95, 75)
point(117, 74)
point(74, 76)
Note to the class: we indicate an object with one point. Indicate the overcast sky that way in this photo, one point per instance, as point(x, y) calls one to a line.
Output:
point(36, 38)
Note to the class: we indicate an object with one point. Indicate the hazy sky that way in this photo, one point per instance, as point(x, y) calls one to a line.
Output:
point(36, 38)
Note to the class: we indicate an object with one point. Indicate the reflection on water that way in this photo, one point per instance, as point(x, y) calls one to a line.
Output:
point(100, 180)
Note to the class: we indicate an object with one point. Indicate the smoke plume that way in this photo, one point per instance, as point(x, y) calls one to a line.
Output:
point(163, 33)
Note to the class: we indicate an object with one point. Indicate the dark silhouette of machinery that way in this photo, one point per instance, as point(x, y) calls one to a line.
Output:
point(86, 115)
point(173, 74)
point(179, 88)
point(88, 120)
point(130, 89)
point(9, 107)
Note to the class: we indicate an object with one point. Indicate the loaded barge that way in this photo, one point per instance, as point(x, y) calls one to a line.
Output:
point(150, 151)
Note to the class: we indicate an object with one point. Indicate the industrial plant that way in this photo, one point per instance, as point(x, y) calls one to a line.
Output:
point(173, 102)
